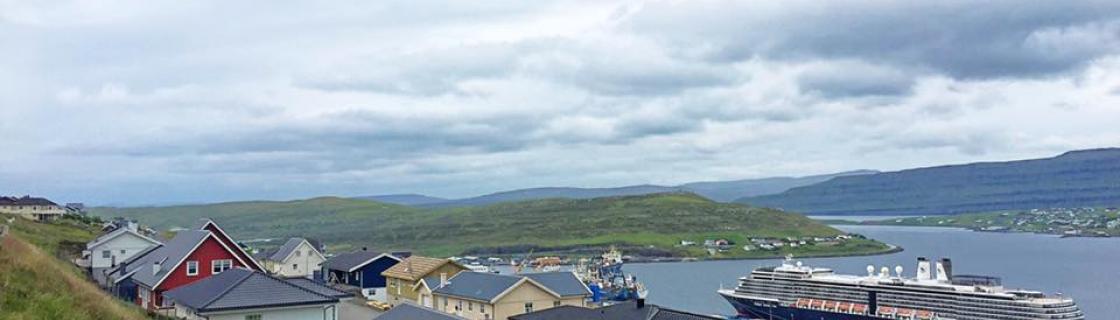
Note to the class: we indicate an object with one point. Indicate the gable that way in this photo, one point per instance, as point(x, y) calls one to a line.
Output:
point(304, 248)
point(125, 238)
point(209, 225)
point(209, 250)
point(526, 291)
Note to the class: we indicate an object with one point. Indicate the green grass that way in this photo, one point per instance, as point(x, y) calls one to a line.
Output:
point(36, 284)
point(660, 220)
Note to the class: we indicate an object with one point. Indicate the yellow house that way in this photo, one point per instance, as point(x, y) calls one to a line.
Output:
point(31, 208)
point(488, 296)
point(404, 281)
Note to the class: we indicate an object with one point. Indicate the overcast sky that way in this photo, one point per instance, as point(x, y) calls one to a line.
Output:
point(148, 102)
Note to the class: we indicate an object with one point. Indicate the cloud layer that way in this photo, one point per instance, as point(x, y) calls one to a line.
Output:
point(134, 102)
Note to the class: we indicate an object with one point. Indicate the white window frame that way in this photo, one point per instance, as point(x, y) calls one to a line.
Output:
point(191, 264)
point(215, 264)
point(106, 254)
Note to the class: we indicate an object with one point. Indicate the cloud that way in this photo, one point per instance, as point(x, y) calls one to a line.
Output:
point(142, 102)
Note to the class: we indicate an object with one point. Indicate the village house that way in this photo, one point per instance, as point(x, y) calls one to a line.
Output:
point(411, 311)
point(486, 296)
point(297, 258)
point(190, 256)
point(240, 294)
point(633, 310)
point(406, 279)
point(33, 208)
point(114, 247)
point(361, 271)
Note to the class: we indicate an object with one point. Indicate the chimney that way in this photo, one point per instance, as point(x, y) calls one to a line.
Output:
point(155, 267)
point(924, 272)
point(442, 279)
point(945, 270)
point(641, 303)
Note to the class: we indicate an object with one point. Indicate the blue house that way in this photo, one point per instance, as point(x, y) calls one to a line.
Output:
point(360, 270)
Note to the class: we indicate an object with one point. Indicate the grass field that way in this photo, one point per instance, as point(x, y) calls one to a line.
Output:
point(36, 284)
point(660, 221)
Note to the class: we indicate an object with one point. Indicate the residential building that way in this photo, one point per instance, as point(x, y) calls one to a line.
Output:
point(632, 310)
point(190, 256)
point(33, 208)
point(114, 247)
point(412, 311)
point(404, 278)
point(360, 270)
point(239, 294)
point(486, 296)
point(296, 258)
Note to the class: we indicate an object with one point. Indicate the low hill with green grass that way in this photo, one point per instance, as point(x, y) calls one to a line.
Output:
point(37, 283)
point(654, 223)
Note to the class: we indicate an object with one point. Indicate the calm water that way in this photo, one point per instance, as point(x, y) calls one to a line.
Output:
point(1087, 269)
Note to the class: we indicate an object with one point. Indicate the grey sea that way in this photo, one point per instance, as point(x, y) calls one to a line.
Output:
point(1087, 269)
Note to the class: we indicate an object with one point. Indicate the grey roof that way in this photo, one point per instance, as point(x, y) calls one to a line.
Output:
point(351, 260)
point(482, 286)
point(286, 249)
point(622, 311)
point(563, 283)
point(114, 234)
point(431, 282)
point(241, 289)
point(410, 311)
point(318, 288)
point(25, 201)
point(168, 255)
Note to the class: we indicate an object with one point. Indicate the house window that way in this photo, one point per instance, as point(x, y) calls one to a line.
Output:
point(528, 307)
point(482, 308)
point(217, 266)
point(470, 306)
point(556, 303)
point(295, 266)
point(122, 251)
point(297, 253)
point(253, 317)
point(192, 268)
point(106, 253)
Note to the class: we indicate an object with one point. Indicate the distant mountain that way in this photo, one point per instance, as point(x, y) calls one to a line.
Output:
point(405, 199)
point(726, 191)
point(654, 222)
point(722, 191)
point(1073, 179)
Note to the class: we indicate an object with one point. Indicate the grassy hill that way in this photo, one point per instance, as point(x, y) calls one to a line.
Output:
point(1073, 179)
point(35, 283)
point(659, 220)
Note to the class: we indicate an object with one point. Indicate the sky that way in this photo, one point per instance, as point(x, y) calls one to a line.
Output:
point(155, 102)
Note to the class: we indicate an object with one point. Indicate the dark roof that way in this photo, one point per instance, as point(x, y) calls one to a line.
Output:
point(171, 253)
point(241, 289)
point(287, 249)
point(353, 260)
point(563, 283)
point(318, 288)
point(483, 286)
point(25, 201)
point(432, 282)
point(622, 311)
point(411, 311)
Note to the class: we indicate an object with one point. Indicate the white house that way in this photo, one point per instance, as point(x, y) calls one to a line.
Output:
point(115, 247)
point(297, 258)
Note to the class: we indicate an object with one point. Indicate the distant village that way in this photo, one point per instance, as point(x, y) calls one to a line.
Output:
point(1067, 222)
point(715, 246)
point(202, 272)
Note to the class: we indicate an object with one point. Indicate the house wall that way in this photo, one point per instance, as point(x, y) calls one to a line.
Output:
point(511, 304)
point(303, 262)
point(315, 312)
point(233, 246)
point(129, 243)
point(398, 294)
point(32, 212)
point(205, 254)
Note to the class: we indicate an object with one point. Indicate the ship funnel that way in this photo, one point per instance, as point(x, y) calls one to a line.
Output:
point(923, 269)
point(885, 272)
point(945, 270)
point(898, 271)
point(870, 270)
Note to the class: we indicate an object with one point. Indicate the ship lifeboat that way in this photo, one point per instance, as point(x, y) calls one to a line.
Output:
point(817, 304)
point(830, 305)
point(905, 313)
point(845, 307)
point(887, 311)
point(924, 315)
point(859, 308)
point(803, 303)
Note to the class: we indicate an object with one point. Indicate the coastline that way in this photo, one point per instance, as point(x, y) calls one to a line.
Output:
point(890, 250)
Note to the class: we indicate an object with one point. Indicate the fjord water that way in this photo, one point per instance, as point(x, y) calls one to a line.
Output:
point(1087, 269)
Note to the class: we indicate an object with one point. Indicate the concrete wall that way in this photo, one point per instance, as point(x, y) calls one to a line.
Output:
point(120, 249)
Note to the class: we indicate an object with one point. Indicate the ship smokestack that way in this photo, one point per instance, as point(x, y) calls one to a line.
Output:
point(945, 270)
point(923, 269)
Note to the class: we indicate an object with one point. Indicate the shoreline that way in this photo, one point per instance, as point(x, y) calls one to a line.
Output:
point(891, 250)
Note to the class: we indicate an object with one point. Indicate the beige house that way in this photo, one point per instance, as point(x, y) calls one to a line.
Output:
point(33, 208)
point(487, 296)
point(404, 281)
point(297, 258)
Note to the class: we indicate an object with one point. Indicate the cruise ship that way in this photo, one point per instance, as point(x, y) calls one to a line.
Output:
point(794, 291)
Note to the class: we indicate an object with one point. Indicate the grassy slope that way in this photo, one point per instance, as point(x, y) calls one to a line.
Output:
point(660, 220)
point(36, 284)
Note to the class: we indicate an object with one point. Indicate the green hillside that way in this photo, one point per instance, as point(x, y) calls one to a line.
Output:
point(1074, 179)
point(35, 283)
point(660, 220)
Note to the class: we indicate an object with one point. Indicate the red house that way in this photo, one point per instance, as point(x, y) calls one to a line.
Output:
point(191, 256)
